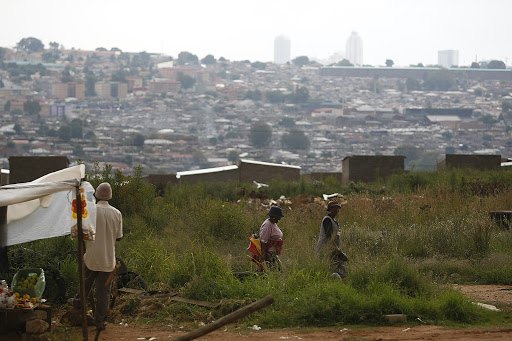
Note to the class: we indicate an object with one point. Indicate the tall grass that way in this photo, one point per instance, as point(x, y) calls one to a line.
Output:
point(401, 236)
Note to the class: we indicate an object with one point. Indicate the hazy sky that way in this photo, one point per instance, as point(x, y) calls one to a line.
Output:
point(406, 31)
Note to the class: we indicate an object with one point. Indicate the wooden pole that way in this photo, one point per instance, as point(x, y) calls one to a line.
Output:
point(81, 266)
point(260, 304)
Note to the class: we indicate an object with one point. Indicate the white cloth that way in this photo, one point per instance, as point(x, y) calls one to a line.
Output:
point(101, 253)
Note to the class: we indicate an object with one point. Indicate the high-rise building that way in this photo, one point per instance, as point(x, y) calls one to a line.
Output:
point(354, 49)
point(282, 50)
point(448, 58)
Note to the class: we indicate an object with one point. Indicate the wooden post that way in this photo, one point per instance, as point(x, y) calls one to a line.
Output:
point(260, 304)
point(4, 259)
point(81, 266)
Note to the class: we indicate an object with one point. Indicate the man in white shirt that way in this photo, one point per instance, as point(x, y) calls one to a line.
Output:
point(100, 255)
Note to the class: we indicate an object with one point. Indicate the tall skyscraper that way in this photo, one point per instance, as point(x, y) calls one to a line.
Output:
point(448, 58)
point(354, 49)
point(282, 50)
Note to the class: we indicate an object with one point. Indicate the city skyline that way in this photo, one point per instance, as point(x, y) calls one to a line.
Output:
point(405, 32)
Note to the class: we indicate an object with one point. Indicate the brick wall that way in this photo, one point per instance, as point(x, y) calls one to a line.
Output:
point(265, 173)
point(29, 168)
point(368, 168)
point(482, 162)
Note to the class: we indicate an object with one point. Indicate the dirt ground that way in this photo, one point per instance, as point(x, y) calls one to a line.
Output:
point(498, 296)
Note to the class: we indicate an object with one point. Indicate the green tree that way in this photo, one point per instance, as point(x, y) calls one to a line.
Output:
point(287, 122)
point(66, 75)
point(208, 60)
point(115, 49)
point(32, 107)
point(233, 156)
point(344, 62)
point(90, 81)
point(3, 52)
point(65, 133)
point(301, 95)
point(389, 62)
point(7, 106)
point(76, 126)
point(17, 128)
point(259, 65)
point(102, 49)
point(1, 83)
point(440, 80)
point(275, 96)
point(30, 44)
point(138, 140)
point(186, 81)
point(496, 64)
point(54, 45)
point(301, 61)
point(412, 84)
point(295, 139)
point(475, 65)
point(255, 95)
point(260, 134)
point(187, 58)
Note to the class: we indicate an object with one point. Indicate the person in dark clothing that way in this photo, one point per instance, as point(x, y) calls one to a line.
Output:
point(329, 241)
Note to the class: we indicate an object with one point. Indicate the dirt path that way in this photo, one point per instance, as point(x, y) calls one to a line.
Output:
point(499, 296)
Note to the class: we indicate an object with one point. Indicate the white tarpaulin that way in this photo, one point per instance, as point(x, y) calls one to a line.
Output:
point(43, 208)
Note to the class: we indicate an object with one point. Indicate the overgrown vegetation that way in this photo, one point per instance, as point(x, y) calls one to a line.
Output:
point(406, 238)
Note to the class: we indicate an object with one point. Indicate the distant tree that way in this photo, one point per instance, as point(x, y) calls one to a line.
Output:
point(259, 65)
point(30, 44)
point(115, 49)
point(1, 83)
point(76, 126)
point(255, 95)
point(90, 81)
point(496, 64)
point(54, 45)
point(3, 52)
point(287, 122)
point(475, 65)
point(344, 62)
point(50, 57)
point(222, 59)
point(119, 76)
point(301, 61)
point(17, 112)
point(101, 49)
point(295, 139)
point(187, 58)
point(275, 96)
point(65, 133)
point(32, 107)
point(78, 150)
point(186, 81)
point(389, 62)
point(488, 120)
point(301, 95)
point(208, 60)
point(66, 75)
point(412, 84)
point(449, 150)
point(7, 106)
point(138, 140)
point(17, 128)
point(440, 80)
point(506, 106)
point(260, 134)
point(233, 156)
point(141, 59)
point(199, 159)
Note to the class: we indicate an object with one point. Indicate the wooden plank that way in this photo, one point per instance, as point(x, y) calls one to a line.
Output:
point(195, 302)
point(242, 312)
point(131, 291)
